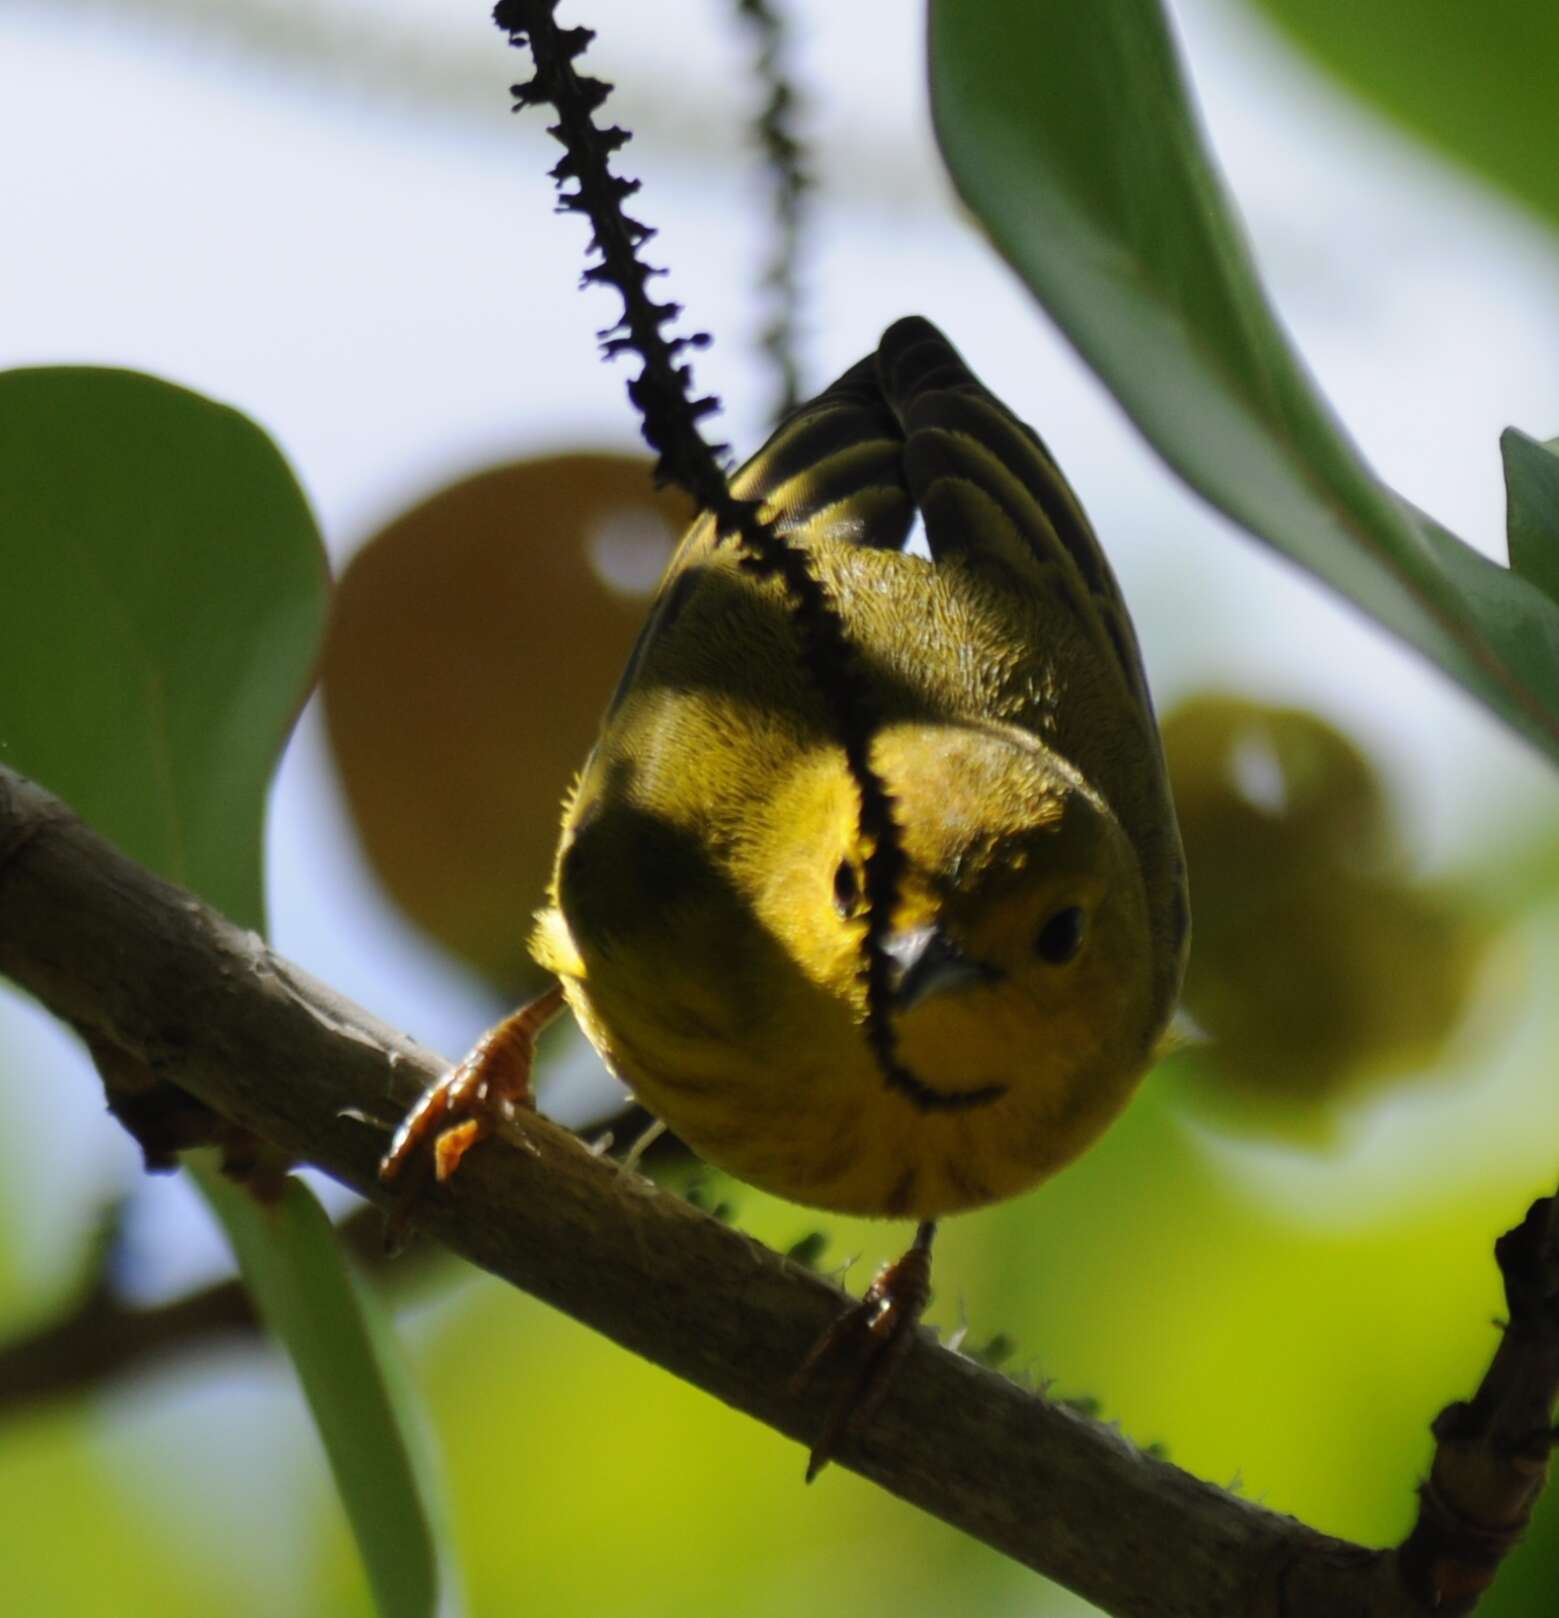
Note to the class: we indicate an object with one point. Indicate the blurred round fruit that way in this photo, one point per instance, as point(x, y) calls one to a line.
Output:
point(1282, 777)
point(474, 644)
point(1317, 966)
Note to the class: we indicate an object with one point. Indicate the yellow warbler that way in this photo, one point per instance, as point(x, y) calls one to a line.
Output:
point(707, 920)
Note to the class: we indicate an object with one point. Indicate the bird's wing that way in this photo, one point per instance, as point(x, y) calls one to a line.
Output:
point(834, 467)
point(833, 470)
point(910, 427)
point(985, 483)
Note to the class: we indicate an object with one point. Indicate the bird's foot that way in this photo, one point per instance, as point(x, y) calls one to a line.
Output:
point(465, 1106)
point(868, 1341)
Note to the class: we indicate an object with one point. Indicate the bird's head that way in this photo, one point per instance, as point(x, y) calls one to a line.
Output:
point(1019, 951)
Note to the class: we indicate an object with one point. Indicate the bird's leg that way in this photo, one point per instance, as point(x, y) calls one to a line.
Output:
point(871, 1339)
point(465, 1105)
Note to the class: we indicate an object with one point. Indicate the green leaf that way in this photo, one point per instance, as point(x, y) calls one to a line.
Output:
point(1461, 77)
point(293, 1268)
point(164, 598)
point(1070, 132)
point(1532, 507)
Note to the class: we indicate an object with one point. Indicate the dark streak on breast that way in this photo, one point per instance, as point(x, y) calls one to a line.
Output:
point(929, 1099)
point(970, 1189)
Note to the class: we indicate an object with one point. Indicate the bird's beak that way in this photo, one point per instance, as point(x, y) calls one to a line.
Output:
point(924, 961)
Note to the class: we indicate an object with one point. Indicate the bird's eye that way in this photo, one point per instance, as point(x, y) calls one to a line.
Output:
point(847, 888)
point(1062, 936)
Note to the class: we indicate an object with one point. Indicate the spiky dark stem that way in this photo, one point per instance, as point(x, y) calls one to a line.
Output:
point(670, 418)
point(789, 182)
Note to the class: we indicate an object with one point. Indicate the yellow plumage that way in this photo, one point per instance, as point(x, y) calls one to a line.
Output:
point(705, 918)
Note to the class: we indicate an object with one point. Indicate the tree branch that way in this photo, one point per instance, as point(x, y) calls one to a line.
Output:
point(101, 1337)
point(141, 964)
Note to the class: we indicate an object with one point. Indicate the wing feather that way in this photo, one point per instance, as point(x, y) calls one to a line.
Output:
point(957, 432)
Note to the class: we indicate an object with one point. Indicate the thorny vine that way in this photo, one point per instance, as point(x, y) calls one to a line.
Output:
point(669, 417)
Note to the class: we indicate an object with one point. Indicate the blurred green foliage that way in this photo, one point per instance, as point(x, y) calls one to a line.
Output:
point(1290, 1318)
point(165, 600)
point(1464, 79)
point(1072, 134)
point(1532, 503)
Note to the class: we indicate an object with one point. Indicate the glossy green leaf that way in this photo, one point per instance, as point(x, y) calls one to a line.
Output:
point(164, 597)
point(1071, 132)
point(292, 1265)
point(1464, 78)
point(165, 593)
point(1532, 507)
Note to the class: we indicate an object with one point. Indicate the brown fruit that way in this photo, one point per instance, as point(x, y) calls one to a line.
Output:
point(474, 643)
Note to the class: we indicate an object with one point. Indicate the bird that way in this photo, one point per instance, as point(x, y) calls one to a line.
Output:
point(708, 922)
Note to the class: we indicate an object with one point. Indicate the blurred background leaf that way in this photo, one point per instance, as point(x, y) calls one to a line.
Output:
point(164, 605)
point(1072, 134)
point(1461, 78)
point(289, 1260)
point(1532, 507)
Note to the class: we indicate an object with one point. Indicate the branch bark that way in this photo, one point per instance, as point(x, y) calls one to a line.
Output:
point(143, 965)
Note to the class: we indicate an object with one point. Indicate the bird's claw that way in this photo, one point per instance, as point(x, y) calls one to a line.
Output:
point(868, 1341)
point(464, 1107)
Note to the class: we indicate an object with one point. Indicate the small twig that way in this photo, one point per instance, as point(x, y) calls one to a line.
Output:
point(670, 422)
point(1492, 1452)
point(661, 390)
point(788, 183)
point(101, 1339)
